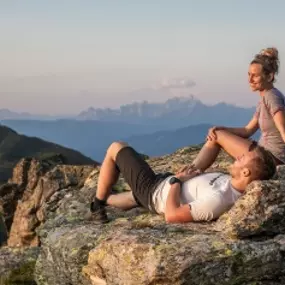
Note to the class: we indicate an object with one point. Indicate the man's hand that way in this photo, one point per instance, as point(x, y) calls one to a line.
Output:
point(212, 133)
point(187, 172)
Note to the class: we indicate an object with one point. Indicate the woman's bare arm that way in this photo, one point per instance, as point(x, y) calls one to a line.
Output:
point(279, 120)
point(244, 132)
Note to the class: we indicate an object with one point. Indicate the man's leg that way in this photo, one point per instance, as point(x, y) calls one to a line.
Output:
point(232, 144)
point(137, 173)
point(108, 176)
point(109, 172)
point(124, 201)
point(121, 158)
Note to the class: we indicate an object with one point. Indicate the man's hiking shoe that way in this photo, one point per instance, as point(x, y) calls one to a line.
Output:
point(97, 214)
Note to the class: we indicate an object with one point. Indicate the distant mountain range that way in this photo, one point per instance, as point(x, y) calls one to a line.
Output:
point(174, 113)
point(139, 112)
point(13, 147)
point(141, 124)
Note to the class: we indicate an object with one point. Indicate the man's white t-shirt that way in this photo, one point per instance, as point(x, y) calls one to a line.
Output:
point(209, 195)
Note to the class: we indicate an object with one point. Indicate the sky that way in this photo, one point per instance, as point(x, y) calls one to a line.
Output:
point(61, 57)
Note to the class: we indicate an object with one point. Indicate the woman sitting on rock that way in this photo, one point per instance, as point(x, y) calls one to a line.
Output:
point(269, 117)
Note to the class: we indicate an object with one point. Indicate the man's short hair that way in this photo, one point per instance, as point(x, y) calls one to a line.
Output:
point(263, 166)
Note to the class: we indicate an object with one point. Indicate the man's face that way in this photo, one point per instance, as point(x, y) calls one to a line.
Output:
point(240, 163)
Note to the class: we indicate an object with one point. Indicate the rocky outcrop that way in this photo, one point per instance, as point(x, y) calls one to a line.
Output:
point(3, 230)
point(31, 209)
point(25, 177)
point(28, 171)
point(244, 246)
point(9, 195)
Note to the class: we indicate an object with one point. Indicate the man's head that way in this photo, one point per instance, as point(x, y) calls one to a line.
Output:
point(256, 164)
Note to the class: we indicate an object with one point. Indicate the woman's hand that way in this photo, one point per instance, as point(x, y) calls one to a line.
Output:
point(187, 172)
point(212, 133)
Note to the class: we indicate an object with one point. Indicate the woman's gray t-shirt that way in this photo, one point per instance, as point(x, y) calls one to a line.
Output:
point(272, 102)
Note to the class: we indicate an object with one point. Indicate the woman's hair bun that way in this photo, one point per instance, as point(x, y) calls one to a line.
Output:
point(271, 52)
point(269, 59)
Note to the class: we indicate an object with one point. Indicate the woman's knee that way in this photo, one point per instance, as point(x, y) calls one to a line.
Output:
point(222, 135)
point(218, 138)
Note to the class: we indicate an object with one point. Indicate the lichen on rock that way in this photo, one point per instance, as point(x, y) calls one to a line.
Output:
point(17, 265)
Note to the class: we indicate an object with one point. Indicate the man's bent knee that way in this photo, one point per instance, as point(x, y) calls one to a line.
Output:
point(115, 147)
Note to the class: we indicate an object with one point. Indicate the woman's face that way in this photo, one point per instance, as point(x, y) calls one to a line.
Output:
point(255, 78)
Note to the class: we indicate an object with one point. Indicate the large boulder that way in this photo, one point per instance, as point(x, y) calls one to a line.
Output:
point(173, 255)
point(140, 248)
point(261, 211)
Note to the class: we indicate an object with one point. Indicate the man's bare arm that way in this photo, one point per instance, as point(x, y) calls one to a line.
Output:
point(174, 213)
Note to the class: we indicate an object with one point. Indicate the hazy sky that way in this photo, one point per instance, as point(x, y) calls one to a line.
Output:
point(63, 56)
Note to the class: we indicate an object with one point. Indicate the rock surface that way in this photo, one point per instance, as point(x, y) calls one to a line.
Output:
point(260, 212)
point(245, 246)
point(144, 250)
point(169, 255)
point(17, 265)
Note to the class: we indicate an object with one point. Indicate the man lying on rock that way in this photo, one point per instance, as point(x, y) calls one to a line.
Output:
point(186, 196)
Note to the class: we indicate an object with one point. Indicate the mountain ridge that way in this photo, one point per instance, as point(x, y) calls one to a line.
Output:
point(13, 147)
